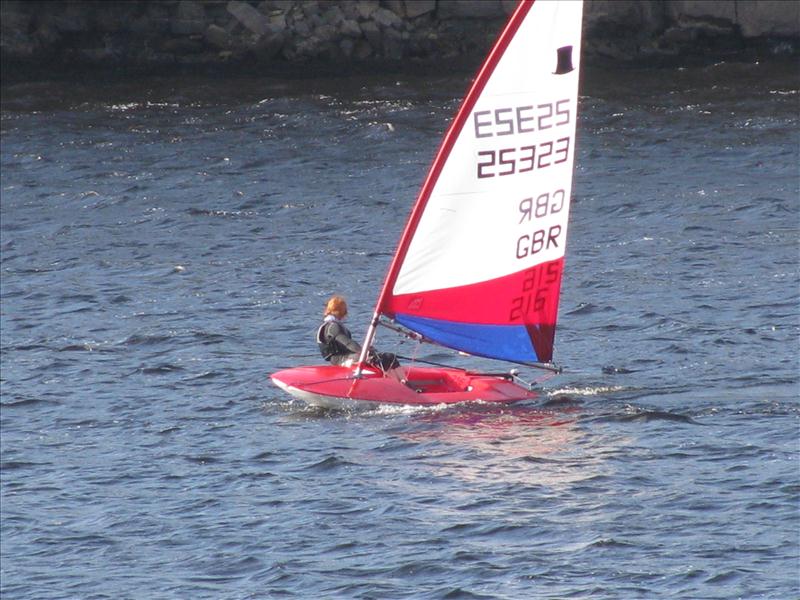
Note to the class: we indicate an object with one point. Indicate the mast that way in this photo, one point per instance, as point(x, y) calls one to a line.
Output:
point(448, 141)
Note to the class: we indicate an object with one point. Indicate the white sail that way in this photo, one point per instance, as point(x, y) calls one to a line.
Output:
point(479, 265)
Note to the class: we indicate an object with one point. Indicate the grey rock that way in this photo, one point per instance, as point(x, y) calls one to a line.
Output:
point(768, 17)
point(218, 37)
point(392, 49)
point(141, 25)
point(350, 28)
point(398, 7)
point(14, 18)
point(158, 14)
point(754, 18)
point(349, 8)
point(325, 33)
point(278, 22)
point(363, 50)
point(333, 15)
point(190, 18)
point(365, 8)
point(470, 9)
point(347, 47)
point(182, 45)
point(269, 45)
point(386, 18)
point(15, 40)
point(509, 6)
point(65, 18)
point(115, 19)
point(417, 8)
point(310, 8)
point(302, 28)
point(372, 33)
point(249, 17)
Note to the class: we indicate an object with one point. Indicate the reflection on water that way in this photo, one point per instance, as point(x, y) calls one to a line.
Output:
point(520, 445)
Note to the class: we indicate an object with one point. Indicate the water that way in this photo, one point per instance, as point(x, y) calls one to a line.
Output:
point(168, 242)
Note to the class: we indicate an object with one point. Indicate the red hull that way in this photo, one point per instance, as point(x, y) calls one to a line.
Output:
point(333, 386)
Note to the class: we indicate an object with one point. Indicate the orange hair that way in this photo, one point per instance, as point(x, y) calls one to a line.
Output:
point(336, 306)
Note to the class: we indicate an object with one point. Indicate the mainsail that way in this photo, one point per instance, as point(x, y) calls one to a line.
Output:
point(478, 267)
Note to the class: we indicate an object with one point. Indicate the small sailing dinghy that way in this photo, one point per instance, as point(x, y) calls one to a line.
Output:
point(478, 267)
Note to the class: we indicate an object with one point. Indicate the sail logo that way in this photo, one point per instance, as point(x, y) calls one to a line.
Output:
point(564, 64)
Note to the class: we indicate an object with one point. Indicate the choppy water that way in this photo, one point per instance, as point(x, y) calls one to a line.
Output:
point(167, 243)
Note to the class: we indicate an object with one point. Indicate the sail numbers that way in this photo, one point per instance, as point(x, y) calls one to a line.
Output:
point(519, 121)
point(508, 161)
point(538, 292)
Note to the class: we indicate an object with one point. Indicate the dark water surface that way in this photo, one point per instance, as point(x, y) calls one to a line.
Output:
point(168, 242)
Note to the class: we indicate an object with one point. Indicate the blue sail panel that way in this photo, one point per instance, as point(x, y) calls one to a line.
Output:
point(503, 342)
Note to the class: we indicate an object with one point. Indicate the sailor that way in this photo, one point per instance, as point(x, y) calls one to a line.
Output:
point(337, 344)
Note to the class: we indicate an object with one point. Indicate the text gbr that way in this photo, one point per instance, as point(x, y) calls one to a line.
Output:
point(529, 209)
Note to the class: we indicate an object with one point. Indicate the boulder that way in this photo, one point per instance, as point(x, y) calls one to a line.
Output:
point(15, 21)
point(392, 45)
point(470, 9)
point(181, 46)
point(218, 37)
point(509, 6)
point(363, 50)
point(372, 33)
point(47, 36)
point(310, 8)
point(417, 8)
point(349, 8)
point(365, 8)
point(602, 15)
point(114, 18)
point(333, 15)
point(302, 28)
point(190, 18)
point(325, 33)
point(269, 45)
point(141, 25)
point(398, 7)
point(158, 17)
point(350, 28)
point(249, 17)
point(65, 18)
point(277, 21)
point(14, 25)
point(386, 18)
point(769, 18)
point(347, 46)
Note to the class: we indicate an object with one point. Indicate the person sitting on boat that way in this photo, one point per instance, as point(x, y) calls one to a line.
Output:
point(337, 344)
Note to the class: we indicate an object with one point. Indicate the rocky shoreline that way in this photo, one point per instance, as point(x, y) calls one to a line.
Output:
point(337, 35)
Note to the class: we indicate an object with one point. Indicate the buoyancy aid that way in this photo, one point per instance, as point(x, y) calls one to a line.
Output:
point(328, 346)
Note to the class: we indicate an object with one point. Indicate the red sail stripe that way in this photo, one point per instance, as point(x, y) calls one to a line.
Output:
point(533, 300)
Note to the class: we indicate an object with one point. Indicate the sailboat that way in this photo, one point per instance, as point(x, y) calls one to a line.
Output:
point(478, 267)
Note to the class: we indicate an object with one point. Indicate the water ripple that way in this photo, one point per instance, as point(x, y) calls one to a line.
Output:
point(165, 243)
